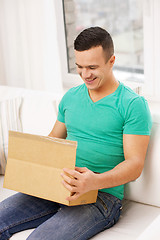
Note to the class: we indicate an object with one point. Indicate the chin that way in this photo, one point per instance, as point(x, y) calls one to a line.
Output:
point(93, 86)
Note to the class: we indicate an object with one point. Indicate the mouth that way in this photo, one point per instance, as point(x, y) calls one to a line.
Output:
point(90, 81)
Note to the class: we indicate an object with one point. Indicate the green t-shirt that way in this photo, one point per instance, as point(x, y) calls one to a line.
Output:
point(98, 127)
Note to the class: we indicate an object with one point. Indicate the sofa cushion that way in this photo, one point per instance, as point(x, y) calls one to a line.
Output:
point(7, 92)
point(38, 114)
point(134, 220)
point(9, 120)
point(152, 231)
point(146, 188)
point(39, 108)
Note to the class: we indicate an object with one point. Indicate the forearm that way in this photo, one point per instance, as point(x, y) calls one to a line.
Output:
point(59, 130)
point(84, 180)
point(124, 172)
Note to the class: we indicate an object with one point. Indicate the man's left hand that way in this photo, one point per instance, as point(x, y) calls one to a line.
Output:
point(78, 181)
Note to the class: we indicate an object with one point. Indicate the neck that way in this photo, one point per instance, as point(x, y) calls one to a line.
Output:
point(108, 88)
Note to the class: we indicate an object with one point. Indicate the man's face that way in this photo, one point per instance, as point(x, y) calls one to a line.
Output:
point(93, 67)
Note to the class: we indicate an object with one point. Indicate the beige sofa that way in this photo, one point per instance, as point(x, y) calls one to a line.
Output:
point(140, 217)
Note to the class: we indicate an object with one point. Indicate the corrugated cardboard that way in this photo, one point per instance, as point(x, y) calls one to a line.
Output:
point(34, 166)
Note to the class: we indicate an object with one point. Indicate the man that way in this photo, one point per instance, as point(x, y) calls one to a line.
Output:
point(112, 125)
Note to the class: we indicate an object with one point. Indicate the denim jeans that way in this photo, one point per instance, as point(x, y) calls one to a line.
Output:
point(53, 221)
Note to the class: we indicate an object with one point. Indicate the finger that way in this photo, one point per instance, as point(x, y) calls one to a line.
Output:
point(81, 169)
point(72, 189)
point(69, 180)
point(73, 197)
point(73, 173)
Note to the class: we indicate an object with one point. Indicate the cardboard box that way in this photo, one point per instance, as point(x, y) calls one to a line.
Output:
point(34, 166)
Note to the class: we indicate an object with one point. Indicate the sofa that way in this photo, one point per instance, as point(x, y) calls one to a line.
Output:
point(36, 113)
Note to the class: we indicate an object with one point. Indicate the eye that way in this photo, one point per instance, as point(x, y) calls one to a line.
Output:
point(79, 66)
point(92, 68)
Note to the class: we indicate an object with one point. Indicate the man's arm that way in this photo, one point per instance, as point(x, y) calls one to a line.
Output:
point(59, 130)
point(135, 148)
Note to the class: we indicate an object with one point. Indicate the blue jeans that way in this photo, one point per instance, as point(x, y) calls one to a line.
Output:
point(53, 221)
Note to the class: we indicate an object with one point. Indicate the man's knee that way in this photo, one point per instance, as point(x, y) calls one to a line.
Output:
point(5, 235)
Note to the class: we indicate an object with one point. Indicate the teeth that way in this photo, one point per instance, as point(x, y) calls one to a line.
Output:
point(91, 80)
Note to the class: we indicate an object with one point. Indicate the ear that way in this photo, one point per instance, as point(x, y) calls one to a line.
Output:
point(112, 60)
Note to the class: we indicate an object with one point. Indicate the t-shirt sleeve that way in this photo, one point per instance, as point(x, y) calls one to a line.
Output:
point(61, 112)
point(63, 105)
point(138, 119)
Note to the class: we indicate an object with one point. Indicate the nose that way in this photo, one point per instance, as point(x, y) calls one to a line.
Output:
point(85, 73)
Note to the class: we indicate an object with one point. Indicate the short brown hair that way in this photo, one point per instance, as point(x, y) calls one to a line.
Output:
point(94, 37)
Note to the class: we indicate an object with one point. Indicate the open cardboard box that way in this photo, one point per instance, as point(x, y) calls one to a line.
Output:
point(35, 164)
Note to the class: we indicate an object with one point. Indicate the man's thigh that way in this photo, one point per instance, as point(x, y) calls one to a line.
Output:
point(80, 222)
point(21, 211)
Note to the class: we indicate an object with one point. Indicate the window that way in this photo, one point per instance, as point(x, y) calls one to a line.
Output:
point(147, 38)
point(122, 19)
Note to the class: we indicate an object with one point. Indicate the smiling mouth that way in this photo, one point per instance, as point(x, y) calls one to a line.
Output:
point(90, 81)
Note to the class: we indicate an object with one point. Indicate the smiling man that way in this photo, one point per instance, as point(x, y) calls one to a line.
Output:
point(111, 124)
